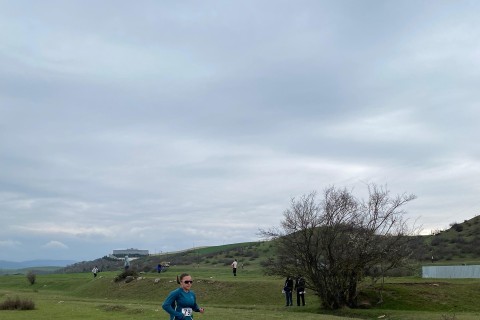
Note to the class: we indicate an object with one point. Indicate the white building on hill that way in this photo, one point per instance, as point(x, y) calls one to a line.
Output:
point(130, 252)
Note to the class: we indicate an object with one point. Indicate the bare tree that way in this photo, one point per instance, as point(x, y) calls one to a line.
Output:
point(335, 241)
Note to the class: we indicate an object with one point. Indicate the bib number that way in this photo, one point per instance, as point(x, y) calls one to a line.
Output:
point(187, 312)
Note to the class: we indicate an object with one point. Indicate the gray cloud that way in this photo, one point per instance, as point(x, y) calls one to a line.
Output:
point(163, 126)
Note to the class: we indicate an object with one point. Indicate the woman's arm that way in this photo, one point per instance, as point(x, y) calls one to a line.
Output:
point(169, 302)
point(195, 308)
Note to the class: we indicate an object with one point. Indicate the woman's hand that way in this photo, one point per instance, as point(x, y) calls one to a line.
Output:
point(202, 310)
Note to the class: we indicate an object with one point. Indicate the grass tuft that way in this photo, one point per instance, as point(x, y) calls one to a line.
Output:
point(114, 308)
point(17, 304)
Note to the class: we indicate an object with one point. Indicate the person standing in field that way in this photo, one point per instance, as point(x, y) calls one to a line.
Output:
point(234, 267)
point(95, 271)
point(182, 302)
point(126, 263)
point(288, 288)
point(300, 289)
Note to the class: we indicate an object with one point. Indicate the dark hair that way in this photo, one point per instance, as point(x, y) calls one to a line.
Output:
point(180, 278)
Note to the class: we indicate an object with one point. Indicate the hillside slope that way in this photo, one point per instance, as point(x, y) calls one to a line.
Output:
point(456, 245)
point(247, 253)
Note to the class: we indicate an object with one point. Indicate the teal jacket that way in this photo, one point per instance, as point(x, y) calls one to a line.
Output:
point(177, 300)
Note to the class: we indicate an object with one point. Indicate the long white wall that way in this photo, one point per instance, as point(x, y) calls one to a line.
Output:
point(449, 272)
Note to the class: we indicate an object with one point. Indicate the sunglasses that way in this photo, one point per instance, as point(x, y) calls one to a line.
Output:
point(188, 281)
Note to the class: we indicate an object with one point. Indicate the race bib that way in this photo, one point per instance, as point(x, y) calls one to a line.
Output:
point(187, 312)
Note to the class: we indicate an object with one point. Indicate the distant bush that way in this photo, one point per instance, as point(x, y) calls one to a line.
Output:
point(31, 277)
point(115, 307)
point(449, 317)
point(122, 276)
point(17, 304)
point(147, 268)
point(225, 262)
point(247, 253)
point(107, 258)
point(437, 241)
point(457, 227)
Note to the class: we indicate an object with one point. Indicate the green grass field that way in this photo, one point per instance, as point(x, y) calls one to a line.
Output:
point(250, 295)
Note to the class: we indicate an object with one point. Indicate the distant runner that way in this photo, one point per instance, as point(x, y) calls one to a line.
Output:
point(234, 267)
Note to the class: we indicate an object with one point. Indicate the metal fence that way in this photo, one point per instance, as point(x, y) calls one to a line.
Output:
point(451, 272)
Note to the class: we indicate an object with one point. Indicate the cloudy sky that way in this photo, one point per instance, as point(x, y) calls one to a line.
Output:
point(165, 125)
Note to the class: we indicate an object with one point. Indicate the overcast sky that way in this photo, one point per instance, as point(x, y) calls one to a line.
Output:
point(168, 125)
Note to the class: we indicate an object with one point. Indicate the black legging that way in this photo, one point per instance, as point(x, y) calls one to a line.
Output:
point(300, 296)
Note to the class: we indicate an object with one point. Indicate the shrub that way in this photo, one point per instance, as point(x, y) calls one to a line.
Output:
point(457, 227)
point(436, 241)
point(17, 304)
point(31, 277)
point(225, 262)
point(125, 274)
point(148, 268)
point(449, 317)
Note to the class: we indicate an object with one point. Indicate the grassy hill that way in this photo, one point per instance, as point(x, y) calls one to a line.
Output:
point(247, 253)
point(252, 294)
point(459, 244)
point(249, 295)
